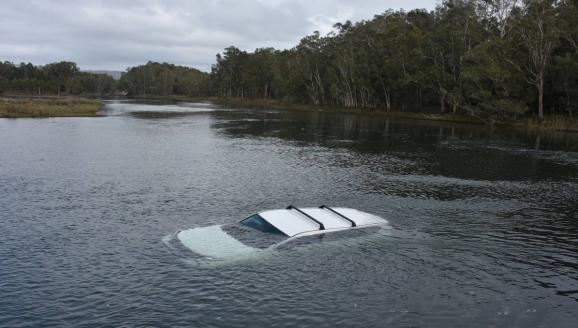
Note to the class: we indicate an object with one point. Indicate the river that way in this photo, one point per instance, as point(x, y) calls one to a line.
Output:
point(484, 223)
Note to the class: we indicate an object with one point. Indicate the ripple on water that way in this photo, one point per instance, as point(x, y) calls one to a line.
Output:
point(481, 235)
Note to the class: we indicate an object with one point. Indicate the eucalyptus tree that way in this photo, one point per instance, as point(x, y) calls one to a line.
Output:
point(345, 55)
point(565, 61)
point(494, 89)
point(386, 53)
point(312, 60)
point(471, 56)
point(538, 33)
point(457, 30)
point(497, 14)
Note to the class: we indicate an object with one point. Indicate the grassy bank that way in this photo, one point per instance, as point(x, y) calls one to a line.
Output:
point(274, 104)
point(555, 123)
point(49, 107)
point(550, 123)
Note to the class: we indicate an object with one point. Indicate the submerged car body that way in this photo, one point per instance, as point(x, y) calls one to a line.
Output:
point(275, 228)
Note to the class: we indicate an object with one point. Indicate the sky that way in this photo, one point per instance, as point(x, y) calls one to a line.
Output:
point(117, 34)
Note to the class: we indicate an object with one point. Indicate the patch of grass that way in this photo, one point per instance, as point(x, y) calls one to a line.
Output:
point(49, 107)
point(274, 104)
point(556, 122)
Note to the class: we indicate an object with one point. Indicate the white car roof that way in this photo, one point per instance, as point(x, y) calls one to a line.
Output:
point(294, 221)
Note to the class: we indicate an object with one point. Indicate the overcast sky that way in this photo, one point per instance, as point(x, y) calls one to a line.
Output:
point(116, 34)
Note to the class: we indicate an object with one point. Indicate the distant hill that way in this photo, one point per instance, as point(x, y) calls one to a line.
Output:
point(115, 74)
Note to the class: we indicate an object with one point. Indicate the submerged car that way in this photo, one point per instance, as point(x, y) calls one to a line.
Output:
point(274, 229)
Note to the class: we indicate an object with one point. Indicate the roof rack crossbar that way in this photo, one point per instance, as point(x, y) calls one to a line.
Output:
point(353, 224)
point(321, 226)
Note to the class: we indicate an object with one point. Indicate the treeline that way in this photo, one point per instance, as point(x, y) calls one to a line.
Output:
point(164, 80)
point(63, 78)
point(493, 59)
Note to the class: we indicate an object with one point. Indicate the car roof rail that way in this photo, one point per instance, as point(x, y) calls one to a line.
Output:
point(321, 226)
point(353, 224)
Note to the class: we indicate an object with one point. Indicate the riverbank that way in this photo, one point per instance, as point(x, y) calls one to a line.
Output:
point(274, 104)
point(49, 107)
point(550, 123)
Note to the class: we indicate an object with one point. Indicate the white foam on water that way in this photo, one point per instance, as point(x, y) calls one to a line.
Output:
point(213, 242)
point(168, 238)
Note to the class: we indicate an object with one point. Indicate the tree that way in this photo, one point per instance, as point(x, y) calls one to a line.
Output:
point(63, 73)
point(493, 88)
point(538, 33)
point(163, 80)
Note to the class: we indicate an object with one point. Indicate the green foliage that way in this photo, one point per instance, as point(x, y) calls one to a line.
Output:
point(565, 73)
point(52, 79)
point(163, 80)
point(476, 57)
point(493, 88)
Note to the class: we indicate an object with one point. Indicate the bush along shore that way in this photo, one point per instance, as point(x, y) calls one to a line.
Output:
point(553, 123)
point(49, 107)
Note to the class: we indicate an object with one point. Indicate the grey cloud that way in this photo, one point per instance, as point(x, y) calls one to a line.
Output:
point(108, 34)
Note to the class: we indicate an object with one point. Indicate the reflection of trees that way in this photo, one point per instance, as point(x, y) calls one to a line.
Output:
point(464, 151)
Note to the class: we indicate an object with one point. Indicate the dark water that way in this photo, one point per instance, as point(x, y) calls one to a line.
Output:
point(485, 225)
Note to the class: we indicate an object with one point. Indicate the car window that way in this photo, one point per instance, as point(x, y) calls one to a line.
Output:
point(257, 222)
point(252, 237)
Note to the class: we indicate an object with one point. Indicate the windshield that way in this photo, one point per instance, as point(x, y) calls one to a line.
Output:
point(257, 222)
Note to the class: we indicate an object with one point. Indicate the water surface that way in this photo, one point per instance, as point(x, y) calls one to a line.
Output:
point(484, 224)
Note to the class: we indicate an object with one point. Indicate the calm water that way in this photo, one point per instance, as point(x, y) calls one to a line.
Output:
point(484, 223)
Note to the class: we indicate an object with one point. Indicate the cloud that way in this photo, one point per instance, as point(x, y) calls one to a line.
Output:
point(107, 34)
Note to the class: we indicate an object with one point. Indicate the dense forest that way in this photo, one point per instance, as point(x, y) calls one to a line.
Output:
point(65, 78)
point(164, 80)
point(493, 59)
point(52, 79)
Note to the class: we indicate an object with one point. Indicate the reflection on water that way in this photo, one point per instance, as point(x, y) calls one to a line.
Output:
point(156, 109)
point(484, 220)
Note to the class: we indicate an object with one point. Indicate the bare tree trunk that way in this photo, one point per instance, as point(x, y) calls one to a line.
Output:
point(539, 34)
point(387, 100)
point(319, 86)
point(387, 95)
point(443, 102)
point(541, 98)
point(567, 92)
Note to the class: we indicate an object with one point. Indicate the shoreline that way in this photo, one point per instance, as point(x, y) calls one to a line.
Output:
point(49, 106)
point(550, 123)
point(30, 106)
point(274, 104)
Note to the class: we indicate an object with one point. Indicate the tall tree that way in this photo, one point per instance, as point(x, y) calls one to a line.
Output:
point(538, 33)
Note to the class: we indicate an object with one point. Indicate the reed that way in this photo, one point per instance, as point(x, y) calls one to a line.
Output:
point(49, 107)
point(554, 122)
